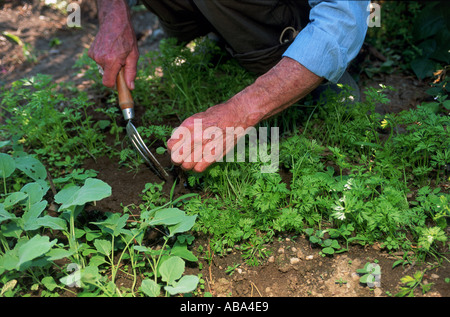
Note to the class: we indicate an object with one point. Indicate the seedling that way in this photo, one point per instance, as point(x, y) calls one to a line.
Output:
point(371, 274)
point(413, 282)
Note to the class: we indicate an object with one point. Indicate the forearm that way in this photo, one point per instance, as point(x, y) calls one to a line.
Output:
point(282, 86)
point(112, 10)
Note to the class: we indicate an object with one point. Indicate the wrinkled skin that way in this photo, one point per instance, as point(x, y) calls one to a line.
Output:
point(115, 44)
point(190, 147)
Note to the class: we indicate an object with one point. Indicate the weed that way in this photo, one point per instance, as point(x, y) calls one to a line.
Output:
point(412, 283)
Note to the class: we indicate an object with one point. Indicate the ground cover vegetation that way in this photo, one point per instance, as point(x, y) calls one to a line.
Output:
point(348, 174)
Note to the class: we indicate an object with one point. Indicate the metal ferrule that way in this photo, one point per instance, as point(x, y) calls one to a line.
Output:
point(128, 113)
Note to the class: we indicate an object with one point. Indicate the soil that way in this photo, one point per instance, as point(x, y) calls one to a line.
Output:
point(294, 268)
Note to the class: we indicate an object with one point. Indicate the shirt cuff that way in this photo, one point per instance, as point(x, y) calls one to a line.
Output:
point(319, 52)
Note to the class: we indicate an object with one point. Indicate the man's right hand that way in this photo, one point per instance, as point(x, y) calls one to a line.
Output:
point(115, 44)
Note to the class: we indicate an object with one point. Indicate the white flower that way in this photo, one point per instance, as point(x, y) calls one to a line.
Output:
point(339, 215)
point(349, 184)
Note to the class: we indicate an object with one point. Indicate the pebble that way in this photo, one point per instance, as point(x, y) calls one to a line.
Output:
point(281, 250)
point(377, 292)
point(309, 257)
point(294, 260)
point(271, 259)
point(434, 276)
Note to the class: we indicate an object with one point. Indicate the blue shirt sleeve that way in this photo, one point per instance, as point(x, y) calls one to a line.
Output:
point(332, 38)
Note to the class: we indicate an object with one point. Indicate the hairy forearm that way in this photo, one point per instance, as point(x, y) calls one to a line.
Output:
point(282, 86)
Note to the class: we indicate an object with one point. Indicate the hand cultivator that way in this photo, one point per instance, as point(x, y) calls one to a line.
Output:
point(127, 105)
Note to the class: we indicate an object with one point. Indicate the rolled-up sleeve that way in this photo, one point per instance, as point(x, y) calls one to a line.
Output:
point(332, 38)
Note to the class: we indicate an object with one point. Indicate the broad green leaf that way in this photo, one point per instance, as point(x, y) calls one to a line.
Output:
point(172, 269)
point(13, 199)
point(66, 194)
point(92, 190)
point(335, 244)
point(366, 278)
point(49, 283)
point(9, 260)
point(114, 224)
point(103, 246)
point(92, 234)
point(7, 165)
point(4, 215)
point(58, 254)
point(31, 167)
point(429, 22)
point(446, 104)
point(90, 275)
point(150, 288)
point(422, 67)
point(167, 216)
point(181, 250)
point(328, 250)
point(34, 191)
point(30, 217)
point(52, 223)
point(4, 143)
point(185, 225)
point(97, 260)
point(34, 248)
point(186, 284)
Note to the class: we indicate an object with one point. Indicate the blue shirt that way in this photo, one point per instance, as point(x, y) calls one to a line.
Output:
point(332, 38)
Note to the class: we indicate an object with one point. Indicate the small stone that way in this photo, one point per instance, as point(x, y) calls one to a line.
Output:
point(355, 276)
point(378, 292)
point(281, 250)
point(309, 257)
point(271, 259)
point(294, 260)
point(434, 276)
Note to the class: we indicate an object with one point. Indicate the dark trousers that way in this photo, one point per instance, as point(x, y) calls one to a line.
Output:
point(256, 32)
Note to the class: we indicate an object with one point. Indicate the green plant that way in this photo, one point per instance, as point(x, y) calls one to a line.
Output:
point(25, 249)
point(431, 37)
point(370, 274)
point(412, 283)
point(57, 127)
point(167, 262)
point(329, 246)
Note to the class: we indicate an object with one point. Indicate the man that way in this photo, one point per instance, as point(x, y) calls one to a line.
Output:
point(294, 45)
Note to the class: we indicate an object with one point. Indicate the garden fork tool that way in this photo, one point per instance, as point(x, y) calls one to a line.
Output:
point(126, 103)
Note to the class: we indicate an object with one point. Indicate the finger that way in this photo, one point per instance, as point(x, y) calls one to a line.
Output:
point(201, 167)
point(110, 72)
point(180, 145)
point(130, 68)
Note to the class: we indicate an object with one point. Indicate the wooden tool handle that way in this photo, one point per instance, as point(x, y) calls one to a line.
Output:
point(125, 98)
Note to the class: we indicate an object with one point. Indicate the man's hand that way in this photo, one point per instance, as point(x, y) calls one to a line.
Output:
point(115, 44)
point(203, 139)
point(207, 136)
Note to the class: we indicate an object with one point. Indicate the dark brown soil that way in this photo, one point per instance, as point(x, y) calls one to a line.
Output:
point(293, 267)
